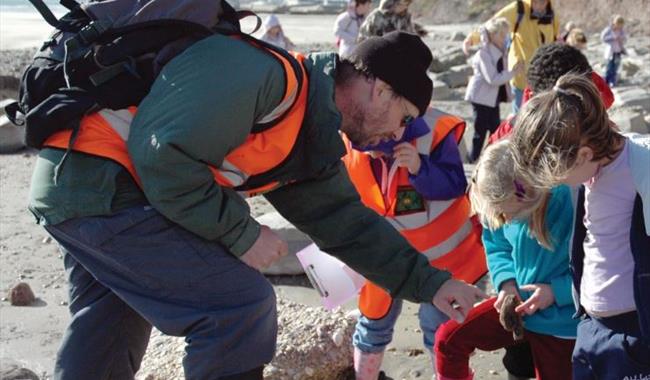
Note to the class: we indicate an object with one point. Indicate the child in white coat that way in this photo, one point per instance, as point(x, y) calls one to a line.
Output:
point(489, 85)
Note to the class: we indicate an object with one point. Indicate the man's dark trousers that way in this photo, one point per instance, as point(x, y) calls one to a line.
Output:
point(136, 269)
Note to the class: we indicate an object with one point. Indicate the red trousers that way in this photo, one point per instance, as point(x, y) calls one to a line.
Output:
point(481, 329)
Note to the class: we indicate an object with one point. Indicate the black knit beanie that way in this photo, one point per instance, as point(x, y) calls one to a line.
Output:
point(400, 59)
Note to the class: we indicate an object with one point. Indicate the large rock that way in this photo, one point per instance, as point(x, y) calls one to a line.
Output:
point(630, 68)
point(440, 90)
point(288, 265)
point(313, 344)
point(445, 59)
point(11, 136)
point(633, 97)
point(457, 36)
point(457, 76)
point(14, 371)
point(629, 119)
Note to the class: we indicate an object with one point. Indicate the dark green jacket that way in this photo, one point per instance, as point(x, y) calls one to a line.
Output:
point(203, 105)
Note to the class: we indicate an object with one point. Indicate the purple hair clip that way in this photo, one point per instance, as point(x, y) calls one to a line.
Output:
point(520, 191)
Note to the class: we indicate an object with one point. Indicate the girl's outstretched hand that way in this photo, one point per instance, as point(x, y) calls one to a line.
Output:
point(541, 298)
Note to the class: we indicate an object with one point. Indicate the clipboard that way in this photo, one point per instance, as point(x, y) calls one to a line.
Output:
point(335, 282)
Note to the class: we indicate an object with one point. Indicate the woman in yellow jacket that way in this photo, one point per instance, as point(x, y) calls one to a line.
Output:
point(533, 23)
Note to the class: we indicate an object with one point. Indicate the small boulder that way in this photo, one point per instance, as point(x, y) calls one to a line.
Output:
point(629, 68)
point(457, 76)
point(11, 136)
point(629, 119)
point(457, 36)
point(632, 97)
point(21, 295)
point(16, 372)
point(445, 59)
point(440, 90)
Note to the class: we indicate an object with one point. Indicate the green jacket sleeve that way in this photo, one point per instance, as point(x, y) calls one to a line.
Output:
point(330, 211)
point(203, 104)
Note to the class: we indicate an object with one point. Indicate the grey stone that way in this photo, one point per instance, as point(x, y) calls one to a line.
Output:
point(10, 82)
point(629, 68)
point(288, 265)
point(633, 97)
point(440, 90)
point(445, 59)
point(458, 36)
point(629, 120)
point(11, 136)
point(3, 104)
point(457, 76)
point(21, 294)
point(16, 372)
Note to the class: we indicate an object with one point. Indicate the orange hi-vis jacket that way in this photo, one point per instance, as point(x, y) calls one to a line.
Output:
point(105, 134)
point(441, 230)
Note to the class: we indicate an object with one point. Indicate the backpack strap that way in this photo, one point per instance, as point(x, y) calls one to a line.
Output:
point(45, 12)
point(520, 15)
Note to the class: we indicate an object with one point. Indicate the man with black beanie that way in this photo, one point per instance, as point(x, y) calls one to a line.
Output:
point(161, 235)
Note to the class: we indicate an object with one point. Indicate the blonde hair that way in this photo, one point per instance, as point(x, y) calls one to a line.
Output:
point(576, 38)
point(569, 26)
point(553, 125)
point(495, 25)
point(618, 20)
point(494, 183)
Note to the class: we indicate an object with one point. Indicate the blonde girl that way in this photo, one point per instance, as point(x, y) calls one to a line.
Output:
point(564, 136)
point(526, 239)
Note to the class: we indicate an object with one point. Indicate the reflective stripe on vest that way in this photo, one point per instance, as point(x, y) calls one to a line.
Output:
point(444, 232)
point(106, 132)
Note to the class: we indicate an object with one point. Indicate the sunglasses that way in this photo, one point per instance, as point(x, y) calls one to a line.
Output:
point(408, 118)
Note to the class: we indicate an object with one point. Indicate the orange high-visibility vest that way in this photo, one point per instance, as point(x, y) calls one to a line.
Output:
point(105, 133)
point(441, 230)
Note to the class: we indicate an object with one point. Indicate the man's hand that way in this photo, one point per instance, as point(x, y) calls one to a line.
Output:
point(541, 299)
point(456, 298)
point(407, 156)
point(507, 287)
point(266, 250)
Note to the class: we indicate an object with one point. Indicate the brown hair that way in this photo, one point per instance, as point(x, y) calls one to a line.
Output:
point(553, 125)
point(494, 183)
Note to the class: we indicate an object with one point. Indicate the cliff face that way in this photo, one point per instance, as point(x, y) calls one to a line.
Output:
point(591, 15)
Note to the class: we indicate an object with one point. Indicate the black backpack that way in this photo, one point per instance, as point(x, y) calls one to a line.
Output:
point(106, 54)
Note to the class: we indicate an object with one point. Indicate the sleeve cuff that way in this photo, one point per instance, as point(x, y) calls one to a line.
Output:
point(561, 287)
point(432, 285)
point(247, 238)
point(500, 278)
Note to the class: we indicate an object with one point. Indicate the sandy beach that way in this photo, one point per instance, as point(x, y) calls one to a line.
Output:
point(29, 336)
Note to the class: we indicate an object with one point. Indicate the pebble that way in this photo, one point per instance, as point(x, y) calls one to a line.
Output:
point(21, 294)
point(493, 372)
point(47, 240)
point(337, 338)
